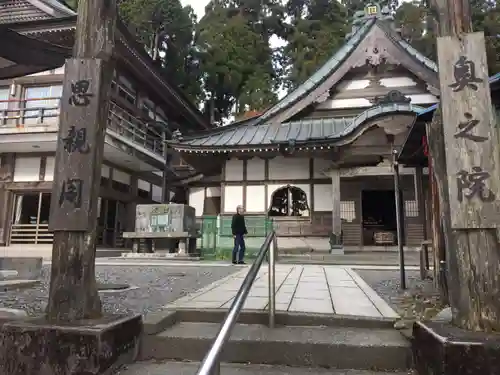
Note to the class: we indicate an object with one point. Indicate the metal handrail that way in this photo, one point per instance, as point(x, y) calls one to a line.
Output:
point(211, 364)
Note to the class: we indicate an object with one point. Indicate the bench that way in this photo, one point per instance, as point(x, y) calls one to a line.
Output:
point(187, 240)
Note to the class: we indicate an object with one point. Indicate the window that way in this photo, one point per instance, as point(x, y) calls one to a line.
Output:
point(4, 97)
point(289, 201)
point(44, 100)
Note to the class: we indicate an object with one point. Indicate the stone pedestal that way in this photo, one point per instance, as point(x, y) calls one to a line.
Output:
point(90, 347)
point(440, 348)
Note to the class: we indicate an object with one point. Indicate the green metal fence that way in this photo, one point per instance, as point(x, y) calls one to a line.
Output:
point(216, 240)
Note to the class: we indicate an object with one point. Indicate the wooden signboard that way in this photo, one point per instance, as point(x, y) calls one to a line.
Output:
point(80, 141)
point(470, 135)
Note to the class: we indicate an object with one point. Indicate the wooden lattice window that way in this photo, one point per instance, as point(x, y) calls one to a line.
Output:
point(348, 211)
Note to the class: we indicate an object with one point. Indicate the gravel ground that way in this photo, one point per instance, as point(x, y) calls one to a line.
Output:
point(413, 302)
point(154, 287)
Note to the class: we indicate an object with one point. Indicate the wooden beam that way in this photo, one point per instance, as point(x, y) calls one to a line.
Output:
point(73, 291)
point(472, 160)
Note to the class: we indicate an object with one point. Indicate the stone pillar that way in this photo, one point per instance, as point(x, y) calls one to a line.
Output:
point(336, 246)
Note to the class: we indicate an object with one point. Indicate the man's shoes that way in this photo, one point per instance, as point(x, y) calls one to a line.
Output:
point(241, 262)
point(234, 262)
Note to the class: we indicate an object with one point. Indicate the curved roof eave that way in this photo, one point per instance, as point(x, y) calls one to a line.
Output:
point(330, 140)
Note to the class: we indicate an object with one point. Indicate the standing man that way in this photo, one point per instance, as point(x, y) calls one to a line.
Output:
point(239, 229)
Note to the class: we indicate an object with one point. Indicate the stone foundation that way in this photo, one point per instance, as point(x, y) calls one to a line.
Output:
point(90, 347)
point(440, 348)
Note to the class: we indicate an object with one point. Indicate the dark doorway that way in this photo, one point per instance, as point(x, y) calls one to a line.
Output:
point(379, 218)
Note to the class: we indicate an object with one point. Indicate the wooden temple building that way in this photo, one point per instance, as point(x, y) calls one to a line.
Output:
point(319, 162)
point(145, 110)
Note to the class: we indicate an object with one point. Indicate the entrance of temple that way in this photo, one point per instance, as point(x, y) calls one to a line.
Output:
point(379, 226)
point(111, 223)
point(30, 218)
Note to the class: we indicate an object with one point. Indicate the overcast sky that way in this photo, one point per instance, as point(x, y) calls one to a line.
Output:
point(197, 5)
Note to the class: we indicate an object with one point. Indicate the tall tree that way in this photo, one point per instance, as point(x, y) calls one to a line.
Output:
point(316, 29)
point(166, 25)
point(235, 56)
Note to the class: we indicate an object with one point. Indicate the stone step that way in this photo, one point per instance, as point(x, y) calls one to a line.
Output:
point(299, 346)
point(189, 368)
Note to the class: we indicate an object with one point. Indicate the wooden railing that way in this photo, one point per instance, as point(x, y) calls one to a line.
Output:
point(135, 129)
point(22, 116)
point(120, 121)
point(30, 234)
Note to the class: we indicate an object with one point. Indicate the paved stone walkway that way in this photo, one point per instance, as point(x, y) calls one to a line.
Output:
point(300, 288)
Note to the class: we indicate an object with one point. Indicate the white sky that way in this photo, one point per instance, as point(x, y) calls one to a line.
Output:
point(197, 5)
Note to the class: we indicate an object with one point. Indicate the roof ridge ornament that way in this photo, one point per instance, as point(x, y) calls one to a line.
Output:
point(372, 11)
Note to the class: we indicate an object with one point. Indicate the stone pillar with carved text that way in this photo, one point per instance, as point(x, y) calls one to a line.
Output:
point(336, 246)
point(473, 171)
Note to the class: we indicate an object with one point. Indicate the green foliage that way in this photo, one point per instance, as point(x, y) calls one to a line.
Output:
point(226, 62)
point(174, 25)
point(316, 29)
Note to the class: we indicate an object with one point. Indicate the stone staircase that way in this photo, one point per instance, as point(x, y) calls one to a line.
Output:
point(299, 344)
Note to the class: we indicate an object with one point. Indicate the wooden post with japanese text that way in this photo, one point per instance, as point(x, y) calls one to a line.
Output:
point(84, 113)
point(472, 153)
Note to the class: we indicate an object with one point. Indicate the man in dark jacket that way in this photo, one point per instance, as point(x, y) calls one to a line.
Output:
point(239, 229)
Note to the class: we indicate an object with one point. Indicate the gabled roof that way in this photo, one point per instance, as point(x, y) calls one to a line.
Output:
point(21, 55)
point(325, 73)
point(269, 136)
point(15, 11)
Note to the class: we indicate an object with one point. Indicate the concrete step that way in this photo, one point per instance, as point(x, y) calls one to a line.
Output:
point(189, 368)
point(339, 347)
point(372, 259)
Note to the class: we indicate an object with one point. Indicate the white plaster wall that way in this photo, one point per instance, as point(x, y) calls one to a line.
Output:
point(319, 166)
point(256, 169)
point(27, 169)
point(423, 99)
point(234, 170)
point(233, 197)
point(143, 185)
point(397, 82)
point(213, 192)
point(50, 165)
point(106, 172)
point(120, 176)
point(281, 168)
point(355, 84)
point(345, 103)
point(323, 200)
point(256, 198)
point(156, 193)
point(196, 199)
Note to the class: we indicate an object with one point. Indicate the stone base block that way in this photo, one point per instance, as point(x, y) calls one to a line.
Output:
point(160, 256)
point(89, 347)
point(27, 268)
point(440, 348)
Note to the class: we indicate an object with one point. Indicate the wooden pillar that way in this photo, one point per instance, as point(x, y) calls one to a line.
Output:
point(7, 164)
point(472, 160)
point(336, 237)
point(84, 111)
point(399, 223)
point(420, 197)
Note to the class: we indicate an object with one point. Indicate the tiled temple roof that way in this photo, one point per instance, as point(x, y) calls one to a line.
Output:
point(307, 130)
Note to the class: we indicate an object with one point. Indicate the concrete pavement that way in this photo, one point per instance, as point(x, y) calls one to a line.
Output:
point(321, 289)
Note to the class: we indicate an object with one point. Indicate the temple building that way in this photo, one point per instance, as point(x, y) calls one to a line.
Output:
point(145, 109)
point(320, 162)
